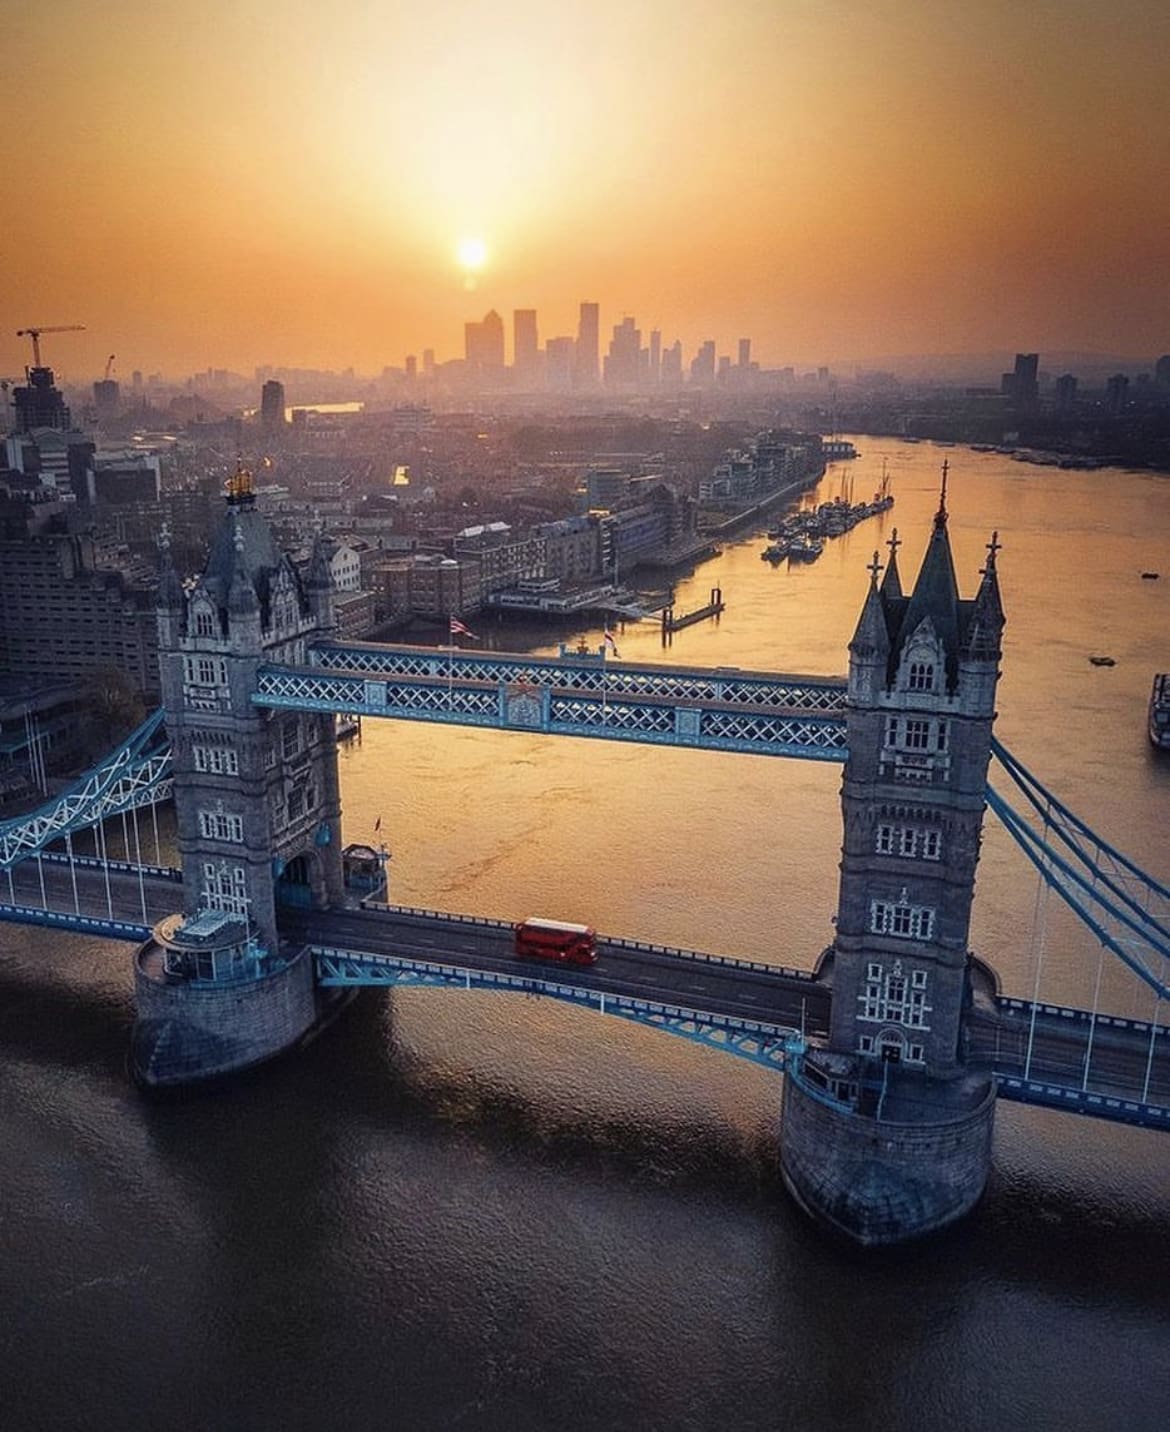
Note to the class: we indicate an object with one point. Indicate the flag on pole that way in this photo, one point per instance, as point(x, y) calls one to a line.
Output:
point(458, 629)
point(610, 642)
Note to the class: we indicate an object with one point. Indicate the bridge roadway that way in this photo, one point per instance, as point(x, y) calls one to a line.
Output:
point(121, 902)
point(1119, 1064)
point(711, 985)
point(1117, 1057)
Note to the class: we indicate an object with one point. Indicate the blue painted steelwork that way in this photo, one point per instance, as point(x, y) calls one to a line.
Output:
point(1075, 1100)
point(775, 1047)
point(136, 774)
point(656, 720)
point(1009, 1004)
point(1147, 899)
point(79, 924)
point(581, 672)
point(116, 867)
point(1140, 942)
point(769, 1045)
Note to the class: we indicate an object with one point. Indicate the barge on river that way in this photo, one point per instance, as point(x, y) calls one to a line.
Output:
point(1160, 711)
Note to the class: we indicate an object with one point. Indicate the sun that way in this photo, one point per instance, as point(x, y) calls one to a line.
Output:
point(472, 254)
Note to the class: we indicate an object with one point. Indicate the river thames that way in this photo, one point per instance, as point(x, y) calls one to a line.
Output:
point(483, 1212)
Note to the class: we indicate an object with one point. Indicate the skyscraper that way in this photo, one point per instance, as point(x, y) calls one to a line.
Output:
point(1022, 384)
point(484, 343)
point(559, 363)
point(623, 361)
point(745, 352)
point(525, 344)
point(655, 355)
point(703, 363)
point(106, 394)
point(40, 404)
point(272, 406)
point(587, 362)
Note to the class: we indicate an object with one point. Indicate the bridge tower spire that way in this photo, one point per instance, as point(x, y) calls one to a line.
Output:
point(256, 802)
point(910, 1142)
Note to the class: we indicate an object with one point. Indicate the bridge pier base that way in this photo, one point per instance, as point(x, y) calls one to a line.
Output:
point(885, 1180)
point(188, 1031)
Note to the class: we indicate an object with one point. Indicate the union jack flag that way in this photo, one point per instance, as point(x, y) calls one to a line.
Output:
point(458, 629)
point(610, 642)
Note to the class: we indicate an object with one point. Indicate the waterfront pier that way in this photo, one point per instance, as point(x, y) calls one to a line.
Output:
point(672, 621)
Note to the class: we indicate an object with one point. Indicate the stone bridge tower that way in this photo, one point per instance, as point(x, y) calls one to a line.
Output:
point(887, 1132)
point(256, 798)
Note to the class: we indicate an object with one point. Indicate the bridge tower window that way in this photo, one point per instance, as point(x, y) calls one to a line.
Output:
point(203, 622)
point(913, 733)
point(921, 676)
point(888, 997)
point(225, 887)
point(216, 760)
point(917, 735)
point(901, 919)
point(221, 825)
point(290, 738)
point(205, 670)
point(912, 842)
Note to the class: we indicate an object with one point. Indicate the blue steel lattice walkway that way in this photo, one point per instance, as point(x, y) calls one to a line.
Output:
point(752, 712)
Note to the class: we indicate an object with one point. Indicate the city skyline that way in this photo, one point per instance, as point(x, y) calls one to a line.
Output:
point(838, 181)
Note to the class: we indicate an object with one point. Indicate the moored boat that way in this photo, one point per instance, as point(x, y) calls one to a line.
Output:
point(1160, 712)
point(806, 549)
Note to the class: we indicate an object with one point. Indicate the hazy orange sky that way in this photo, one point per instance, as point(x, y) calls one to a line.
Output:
point(236, 182)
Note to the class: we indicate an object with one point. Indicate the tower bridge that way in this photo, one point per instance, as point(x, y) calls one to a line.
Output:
point(894, 1049)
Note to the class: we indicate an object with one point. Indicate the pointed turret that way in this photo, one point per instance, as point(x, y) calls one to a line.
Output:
point(242, 598)
point(170, 588)
point(871, 637)
point(243, 603)
point(892, 581)
point(869, 651)
point(319, 583)
point(171, 600)
point(936, 592)
point(983, 639)
point(982, 645)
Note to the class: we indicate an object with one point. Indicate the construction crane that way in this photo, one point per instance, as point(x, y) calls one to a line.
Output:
point(35, 335)
point(109, 365)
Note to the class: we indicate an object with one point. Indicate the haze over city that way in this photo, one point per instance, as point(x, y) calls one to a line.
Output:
point(242, 185)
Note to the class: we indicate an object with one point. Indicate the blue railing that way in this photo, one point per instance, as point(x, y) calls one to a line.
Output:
point(99, 925)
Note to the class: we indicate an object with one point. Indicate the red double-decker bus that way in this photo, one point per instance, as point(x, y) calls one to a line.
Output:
point(538, 939)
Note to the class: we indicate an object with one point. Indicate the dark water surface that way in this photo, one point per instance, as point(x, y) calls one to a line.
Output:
point(473, 1211)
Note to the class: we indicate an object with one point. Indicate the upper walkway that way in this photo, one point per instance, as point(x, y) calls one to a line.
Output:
point(765, 713)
